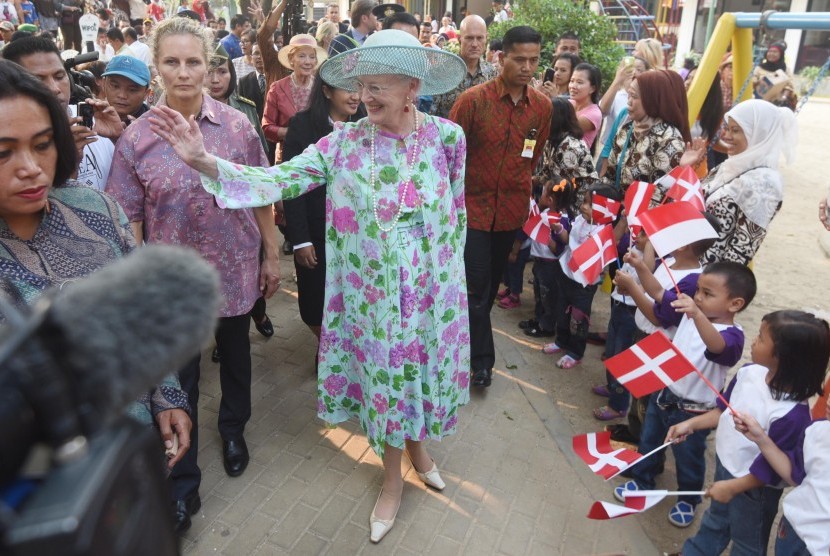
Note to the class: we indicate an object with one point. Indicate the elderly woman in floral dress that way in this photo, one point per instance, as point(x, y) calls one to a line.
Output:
point(394, 348)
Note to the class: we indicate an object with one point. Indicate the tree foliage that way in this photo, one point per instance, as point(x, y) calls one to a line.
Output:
point(597, 33)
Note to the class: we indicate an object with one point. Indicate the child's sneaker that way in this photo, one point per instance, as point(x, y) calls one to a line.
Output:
point(681, 514)
point(503, 293)
point(510, 302)
point(628, 486)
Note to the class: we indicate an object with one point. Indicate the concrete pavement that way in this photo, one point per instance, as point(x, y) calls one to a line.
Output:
point(513, 484)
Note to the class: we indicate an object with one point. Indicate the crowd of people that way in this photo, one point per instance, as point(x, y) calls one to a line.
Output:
point(400, 176)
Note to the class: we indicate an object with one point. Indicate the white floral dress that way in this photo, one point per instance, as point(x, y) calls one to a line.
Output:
point(394, 347)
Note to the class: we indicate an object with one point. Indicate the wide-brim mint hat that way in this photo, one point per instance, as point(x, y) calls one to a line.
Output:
point(395, 52)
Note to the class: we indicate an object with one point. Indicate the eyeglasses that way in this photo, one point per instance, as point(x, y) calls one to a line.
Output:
point(374, 89)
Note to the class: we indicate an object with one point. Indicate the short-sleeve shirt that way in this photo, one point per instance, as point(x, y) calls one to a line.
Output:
point(157, 188)
point(594, 115)
point(498, 180)
point(806, 507)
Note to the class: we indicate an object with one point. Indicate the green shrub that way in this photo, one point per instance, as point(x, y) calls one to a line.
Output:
point(597, 34)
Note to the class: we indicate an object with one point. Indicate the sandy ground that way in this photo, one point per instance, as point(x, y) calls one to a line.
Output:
point(790, 267)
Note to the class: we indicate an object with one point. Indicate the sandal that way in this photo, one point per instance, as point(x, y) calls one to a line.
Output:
point(551, 348)
point(601, 390)
point(568, 362)
point(606, 413)
point(682, 514)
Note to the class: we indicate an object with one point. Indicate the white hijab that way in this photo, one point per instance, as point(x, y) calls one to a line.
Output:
point(770, 132)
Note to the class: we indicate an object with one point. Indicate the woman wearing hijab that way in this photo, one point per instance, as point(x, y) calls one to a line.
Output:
point(394, 345)
point(771, 76)
point(745, 192)
point(653, 141)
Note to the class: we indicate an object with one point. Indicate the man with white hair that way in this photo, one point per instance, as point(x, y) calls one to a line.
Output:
point(473, 41)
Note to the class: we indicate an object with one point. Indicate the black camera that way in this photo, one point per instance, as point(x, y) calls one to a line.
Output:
point(82, 81)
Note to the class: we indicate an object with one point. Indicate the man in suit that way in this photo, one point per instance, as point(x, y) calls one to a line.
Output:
point(253, 87)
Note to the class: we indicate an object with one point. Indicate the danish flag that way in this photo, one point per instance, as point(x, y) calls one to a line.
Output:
point(635, 503)
point(534, 208)
point(538, 227)
point(649, 365)
point(682, 184)
point(604, 210)
point(588, 260)
point(675, 225)
point(595, 449)
point(637, 199)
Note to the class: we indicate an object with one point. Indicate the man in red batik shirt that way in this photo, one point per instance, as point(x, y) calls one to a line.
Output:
point(506, 123)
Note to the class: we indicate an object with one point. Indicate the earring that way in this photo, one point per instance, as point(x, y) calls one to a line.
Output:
point(406, 106)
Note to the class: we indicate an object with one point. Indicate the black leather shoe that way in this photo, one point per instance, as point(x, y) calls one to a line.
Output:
point(529, 323)
point(235, 456)
point(482, 377)
point(265, 327)
point(182, 510)
point(215, 355)
point(538, 332)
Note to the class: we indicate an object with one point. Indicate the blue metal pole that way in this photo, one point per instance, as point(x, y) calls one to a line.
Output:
point(814, 21)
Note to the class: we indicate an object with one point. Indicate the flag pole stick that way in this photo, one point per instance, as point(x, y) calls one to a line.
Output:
point(716, 391)
point(673, 281)
point(654, 451)
point(628, 493)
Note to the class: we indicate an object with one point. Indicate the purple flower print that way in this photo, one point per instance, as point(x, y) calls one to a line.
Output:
point(352, 162)
point(410, 412)
point(415, 259)
point(373, 294)
point(408, 301)
point(444, 254)
point(370, 249)
point(376, 351)
point(422, 279)
point(428, 407)
point(416, 352)
point(462, 378)
point(404, 273)
point(380, 403)
point(323, 145)
point(387, 210)
point(440, 412)
point(328, 339)
point(425, 303)
point(396, 355)
point(450, 424)
point(336, 304)
point(344, 220)
point(321, 406)
point(334, 384)
point(392, 426)
point(355, 280)
point(354, 391)
point(361, 357)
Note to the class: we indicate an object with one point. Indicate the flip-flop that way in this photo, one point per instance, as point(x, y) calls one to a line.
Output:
point(551, 348)
point(568, 362)
point(682, 514)
point(606, 413)
point(601, 390)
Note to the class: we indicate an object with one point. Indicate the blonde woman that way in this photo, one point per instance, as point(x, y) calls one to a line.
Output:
point(326, 32)
point(165, 203)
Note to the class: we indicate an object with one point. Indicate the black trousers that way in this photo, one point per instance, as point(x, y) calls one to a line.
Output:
point(235, 407)
point(485, 258)
point(72, 39)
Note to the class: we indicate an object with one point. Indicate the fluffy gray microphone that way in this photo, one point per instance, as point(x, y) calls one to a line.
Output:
point(135, 321)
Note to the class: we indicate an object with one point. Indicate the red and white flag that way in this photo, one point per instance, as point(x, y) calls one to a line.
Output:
point(649, 365)
point(638, 503)
point(534, 208)
point(538, 227)
point(604, 210)
point(588, 260)
point(595, 449)
point(637, 198)
point(682, 184)
point(675, 225)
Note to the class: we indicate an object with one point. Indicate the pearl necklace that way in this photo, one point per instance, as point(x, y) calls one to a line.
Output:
point(372, 179)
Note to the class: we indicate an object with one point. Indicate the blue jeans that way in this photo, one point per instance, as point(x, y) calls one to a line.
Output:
point(689, 455)
point(788, 543)
point(746, 520)
point(546, 292)
point(574, 314)
point(514, 274)
point(621, 328)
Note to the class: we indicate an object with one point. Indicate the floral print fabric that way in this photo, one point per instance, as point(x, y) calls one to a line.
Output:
point(394, 347)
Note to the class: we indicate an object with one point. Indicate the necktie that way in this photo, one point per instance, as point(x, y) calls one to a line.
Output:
point(262, 83)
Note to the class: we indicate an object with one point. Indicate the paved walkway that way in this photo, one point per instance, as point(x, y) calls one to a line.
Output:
point(513, 484)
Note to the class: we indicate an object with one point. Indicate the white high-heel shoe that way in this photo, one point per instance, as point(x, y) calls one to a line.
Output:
point(379, 527)
point(432, 477)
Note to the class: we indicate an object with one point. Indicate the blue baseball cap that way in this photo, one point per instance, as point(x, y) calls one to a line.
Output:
point(132, 68)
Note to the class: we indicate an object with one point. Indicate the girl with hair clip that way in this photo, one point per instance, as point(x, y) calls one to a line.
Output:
point(556, 202)
point(574, 307)
point(789, 360)
point(566, 155)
